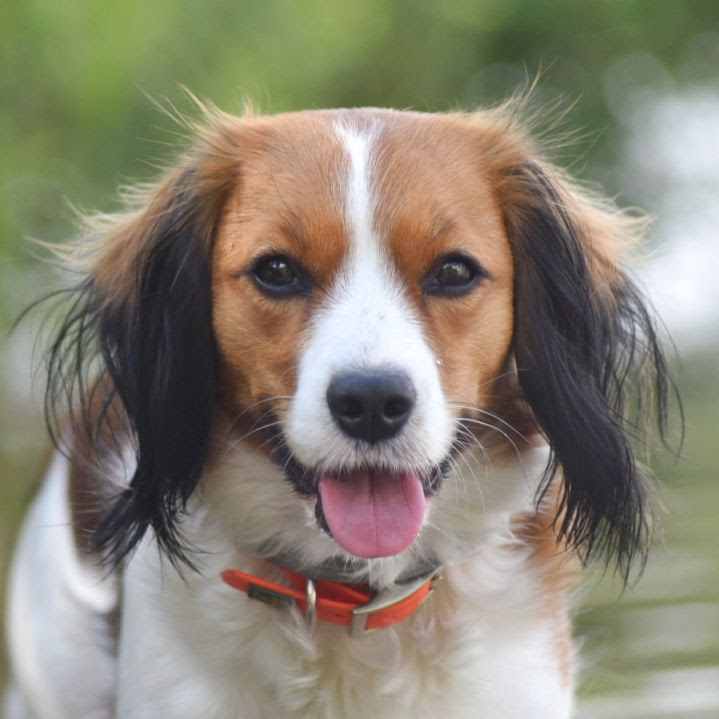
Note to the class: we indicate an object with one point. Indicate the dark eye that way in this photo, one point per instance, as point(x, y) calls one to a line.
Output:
point(279, 276)
point(454, 275)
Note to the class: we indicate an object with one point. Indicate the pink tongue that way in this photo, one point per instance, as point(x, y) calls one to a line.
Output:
point(373, 513)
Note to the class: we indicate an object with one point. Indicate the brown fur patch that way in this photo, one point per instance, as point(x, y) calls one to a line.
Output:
point(434, 199)
point(285, 204)
point(94, 459)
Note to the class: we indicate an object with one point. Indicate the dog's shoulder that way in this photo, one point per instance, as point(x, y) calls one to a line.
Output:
point(63, 607)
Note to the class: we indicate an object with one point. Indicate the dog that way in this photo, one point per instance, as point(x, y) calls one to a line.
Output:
point(339, 407)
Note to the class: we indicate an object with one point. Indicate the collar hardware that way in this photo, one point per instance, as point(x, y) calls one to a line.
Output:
point(268, 596)
point(387, 599)
point(310, 605)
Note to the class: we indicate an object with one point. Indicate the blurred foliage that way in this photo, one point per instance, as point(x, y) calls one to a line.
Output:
point(76, 121)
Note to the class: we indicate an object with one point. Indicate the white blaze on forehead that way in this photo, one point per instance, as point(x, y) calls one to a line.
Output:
point(368, 297)
point(359, 207)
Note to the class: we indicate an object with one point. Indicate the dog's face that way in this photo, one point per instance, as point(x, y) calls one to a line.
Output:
point(362, 299)
point(368, 308)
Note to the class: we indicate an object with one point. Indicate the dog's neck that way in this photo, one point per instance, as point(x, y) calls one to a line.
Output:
point(349, 571)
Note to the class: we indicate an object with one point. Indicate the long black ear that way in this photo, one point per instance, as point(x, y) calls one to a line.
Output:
point(135, 358)
point(585, 344)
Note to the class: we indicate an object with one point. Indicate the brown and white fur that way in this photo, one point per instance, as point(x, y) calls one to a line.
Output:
point(180, 457)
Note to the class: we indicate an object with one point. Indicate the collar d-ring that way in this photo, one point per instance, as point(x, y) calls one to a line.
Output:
point(311, 605)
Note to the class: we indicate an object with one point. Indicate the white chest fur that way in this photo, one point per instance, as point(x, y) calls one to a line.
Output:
point(481, 646)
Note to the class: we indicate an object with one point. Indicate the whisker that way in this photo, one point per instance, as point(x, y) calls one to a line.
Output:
point(487, 425)
point(254, 430)
point(248, 408)
point(488, 413)
point(473, 441)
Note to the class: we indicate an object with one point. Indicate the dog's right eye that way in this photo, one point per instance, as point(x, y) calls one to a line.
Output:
point(279, 276)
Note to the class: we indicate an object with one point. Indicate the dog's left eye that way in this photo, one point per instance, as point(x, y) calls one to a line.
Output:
point(278, 276)
point(453, 275)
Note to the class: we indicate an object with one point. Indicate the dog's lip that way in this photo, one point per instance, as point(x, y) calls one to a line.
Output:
point(306, 479)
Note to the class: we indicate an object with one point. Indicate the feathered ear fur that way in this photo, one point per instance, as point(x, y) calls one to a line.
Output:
point(585, 344)
point(142, 316)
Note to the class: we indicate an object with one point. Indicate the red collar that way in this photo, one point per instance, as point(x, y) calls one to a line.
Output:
point(358, 608)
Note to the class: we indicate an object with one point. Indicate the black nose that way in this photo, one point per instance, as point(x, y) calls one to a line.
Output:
point(371, 405)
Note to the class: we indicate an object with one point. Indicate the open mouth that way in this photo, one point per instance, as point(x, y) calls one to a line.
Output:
point(369, 511)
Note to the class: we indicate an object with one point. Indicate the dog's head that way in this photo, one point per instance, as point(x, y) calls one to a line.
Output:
point(349, 321)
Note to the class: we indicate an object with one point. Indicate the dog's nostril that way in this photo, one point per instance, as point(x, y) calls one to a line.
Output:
point(348, 407)
point(397, 408)
point(371, 405)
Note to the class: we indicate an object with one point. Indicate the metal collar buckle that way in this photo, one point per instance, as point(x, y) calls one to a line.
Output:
point(388, 598)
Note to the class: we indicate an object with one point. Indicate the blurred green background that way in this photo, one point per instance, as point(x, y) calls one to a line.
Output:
point(641, 83)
